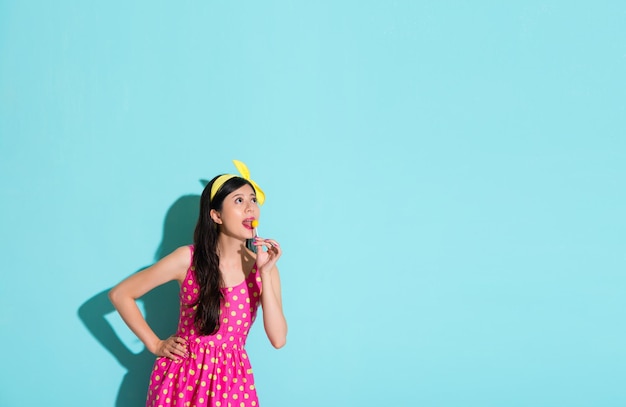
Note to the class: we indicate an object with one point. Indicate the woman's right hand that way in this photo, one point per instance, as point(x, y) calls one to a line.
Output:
point(173, 348)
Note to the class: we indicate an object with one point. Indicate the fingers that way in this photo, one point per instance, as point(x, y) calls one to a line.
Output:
point(175, 348)
point(269, 244)
point(266, 259)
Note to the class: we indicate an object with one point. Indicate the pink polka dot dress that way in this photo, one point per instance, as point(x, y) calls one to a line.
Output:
point(217, 371)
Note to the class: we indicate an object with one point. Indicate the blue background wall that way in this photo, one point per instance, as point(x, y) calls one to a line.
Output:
point(447, 181)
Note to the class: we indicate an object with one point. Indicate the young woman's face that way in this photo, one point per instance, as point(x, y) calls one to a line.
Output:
point(239, 209)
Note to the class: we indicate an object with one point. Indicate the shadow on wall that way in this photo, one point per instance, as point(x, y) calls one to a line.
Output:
point(160, 305)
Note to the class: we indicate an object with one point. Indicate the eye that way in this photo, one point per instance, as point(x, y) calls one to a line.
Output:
point(254, 199)
point(238, 200)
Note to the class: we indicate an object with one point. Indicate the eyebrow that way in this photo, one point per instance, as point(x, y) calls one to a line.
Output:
point(236, 195)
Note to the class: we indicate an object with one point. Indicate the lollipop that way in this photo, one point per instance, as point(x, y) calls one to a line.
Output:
point(254, 225)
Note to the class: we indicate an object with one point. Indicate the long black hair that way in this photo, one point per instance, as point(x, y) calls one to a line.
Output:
point(206, 261)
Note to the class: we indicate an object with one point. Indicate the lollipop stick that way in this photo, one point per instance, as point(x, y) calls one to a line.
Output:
point(255, 225)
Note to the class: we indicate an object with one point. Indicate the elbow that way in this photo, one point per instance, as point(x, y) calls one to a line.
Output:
point(278, 343)
point(279, 339)
point(114, 295)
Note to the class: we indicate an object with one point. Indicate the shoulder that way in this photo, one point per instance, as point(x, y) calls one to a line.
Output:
point(183, 254)
point(178, 262)
point(174, 266)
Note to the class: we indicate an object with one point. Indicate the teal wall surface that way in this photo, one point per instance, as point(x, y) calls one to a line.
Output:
point(446, 180)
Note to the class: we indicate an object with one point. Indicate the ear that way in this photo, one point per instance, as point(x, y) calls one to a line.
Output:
point(215, 215)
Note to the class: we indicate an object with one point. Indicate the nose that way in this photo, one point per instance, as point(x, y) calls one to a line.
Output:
point(249, 206)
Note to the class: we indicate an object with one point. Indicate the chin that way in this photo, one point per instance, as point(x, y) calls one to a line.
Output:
point(249, 235)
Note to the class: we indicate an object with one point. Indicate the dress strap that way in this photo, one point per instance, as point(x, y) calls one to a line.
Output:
point(191, 249)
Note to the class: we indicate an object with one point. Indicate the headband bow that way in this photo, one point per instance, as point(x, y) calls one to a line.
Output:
point(245, 174)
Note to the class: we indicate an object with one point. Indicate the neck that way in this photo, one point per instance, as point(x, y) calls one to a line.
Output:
point(233, 257)
point(229, 248)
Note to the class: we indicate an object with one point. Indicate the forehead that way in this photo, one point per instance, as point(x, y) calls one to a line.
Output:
point(244, 190)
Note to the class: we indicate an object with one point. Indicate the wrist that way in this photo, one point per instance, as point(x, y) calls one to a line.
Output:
point(153, 346)
point(266, 275)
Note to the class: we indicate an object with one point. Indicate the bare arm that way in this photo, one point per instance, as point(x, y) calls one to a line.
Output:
point(124, 296)
point(274, 320)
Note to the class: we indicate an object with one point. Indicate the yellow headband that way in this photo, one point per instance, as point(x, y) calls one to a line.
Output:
point(245, 174)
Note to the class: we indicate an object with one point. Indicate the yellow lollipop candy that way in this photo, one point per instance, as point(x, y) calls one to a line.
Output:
point(254, 225)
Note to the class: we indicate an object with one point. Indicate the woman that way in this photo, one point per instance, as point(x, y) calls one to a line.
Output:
point(223, 281)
